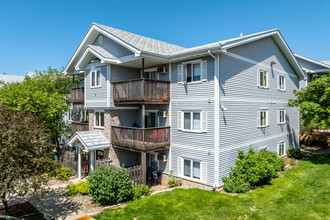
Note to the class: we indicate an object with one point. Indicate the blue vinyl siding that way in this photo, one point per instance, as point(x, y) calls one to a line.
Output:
point(242, 98)
point(193, 96)
point(96, 97)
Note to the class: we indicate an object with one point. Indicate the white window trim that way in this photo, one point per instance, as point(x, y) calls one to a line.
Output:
point(95, 126)
point(278, 83)
point(258, 79)
point(279, 117)
point(267, 118)
point(192, 121)
point(91, 80)
point(184, 73)
point(201, 164)
point(284, 148)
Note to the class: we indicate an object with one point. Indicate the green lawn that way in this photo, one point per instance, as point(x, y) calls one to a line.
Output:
point(303, 192)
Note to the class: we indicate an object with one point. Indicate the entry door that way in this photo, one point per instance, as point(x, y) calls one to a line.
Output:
point(154, 164)
point(151, 120)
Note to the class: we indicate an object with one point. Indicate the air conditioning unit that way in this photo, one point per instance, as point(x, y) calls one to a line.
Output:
point(161, 69)
point(162, 114)
point(162, 157)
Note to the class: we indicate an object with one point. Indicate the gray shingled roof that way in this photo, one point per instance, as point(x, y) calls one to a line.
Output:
point(142, 43)
point(11, 78)
point(90, 140)
point(102, 52)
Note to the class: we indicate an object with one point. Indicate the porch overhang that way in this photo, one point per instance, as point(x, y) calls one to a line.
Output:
point(90, 140)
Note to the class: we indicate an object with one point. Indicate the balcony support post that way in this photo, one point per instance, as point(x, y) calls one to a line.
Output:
point(144, 167)
point(73, 81)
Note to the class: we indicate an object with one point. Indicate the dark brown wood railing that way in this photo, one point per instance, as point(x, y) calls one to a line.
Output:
point(141, 139)
point(144, 91)
point(79, 126)
point(77, 95)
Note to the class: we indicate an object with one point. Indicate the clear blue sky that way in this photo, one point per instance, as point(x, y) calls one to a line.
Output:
point(39, 33)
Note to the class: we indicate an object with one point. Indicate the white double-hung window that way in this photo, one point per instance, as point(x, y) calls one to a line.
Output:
point(262, 118)
point(281, 116)
point(281, 149)
point(281, 83)
point(192, 121)
point(262, 79)
point(99, 119)
point(96, 77)
point(192, 169)
point(192, 71)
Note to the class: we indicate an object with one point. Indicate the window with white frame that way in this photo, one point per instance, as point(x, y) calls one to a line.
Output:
point(262, 78)
point(192, 169)
point(99, 119)
point(281, 83)
point(281, 116)
point(192, 121)
point(96, 77)
point(262, 117)
point(281, 149)
point(192, 71)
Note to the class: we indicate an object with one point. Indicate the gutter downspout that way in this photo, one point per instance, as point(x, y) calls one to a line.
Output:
point(216, 130)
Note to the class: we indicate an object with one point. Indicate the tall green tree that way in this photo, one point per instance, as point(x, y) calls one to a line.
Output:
point(46, 95)
point(25, 154)
point(314, 103)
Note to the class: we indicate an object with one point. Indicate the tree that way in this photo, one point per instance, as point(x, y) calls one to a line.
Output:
point(46, 95)
point(25, 154)
point(314, 103)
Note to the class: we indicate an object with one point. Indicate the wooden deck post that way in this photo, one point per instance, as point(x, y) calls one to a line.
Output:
point(144, 167)
point(79, 163)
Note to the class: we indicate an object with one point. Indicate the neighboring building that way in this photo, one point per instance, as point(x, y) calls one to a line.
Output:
point(311, 67)
point(182, 109)
point(6, 78)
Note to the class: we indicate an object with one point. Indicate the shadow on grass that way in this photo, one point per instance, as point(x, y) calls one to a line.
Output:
point(319, 159)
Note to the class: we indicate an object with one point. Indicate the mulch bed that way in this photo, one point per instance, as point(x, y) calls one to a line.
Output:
point(20, 209)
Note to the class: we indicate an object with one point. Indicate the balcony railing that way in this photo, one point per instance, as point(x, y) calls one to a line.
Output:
point(77, 95)
point(141, 91)
point(140, 139)
point(79, 126)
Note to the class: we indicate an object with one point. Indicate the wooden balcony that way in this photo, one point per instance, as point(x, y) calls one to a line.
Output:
point(77, 95)
point(141, 91)
point(140, 139)
point(79, 126)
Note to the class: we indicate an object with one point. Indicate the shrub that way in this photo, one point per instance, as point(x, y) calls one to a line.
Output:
point(172, 182)
point(141, 190)
point(109, 185)
point(253, 169)
point(57, 166)
point(295, 153)
point(73, 189)
point(64, 173)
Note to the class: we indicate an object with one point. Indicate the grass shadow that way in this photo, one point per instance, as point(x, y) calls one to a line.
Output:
point(319, 158)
